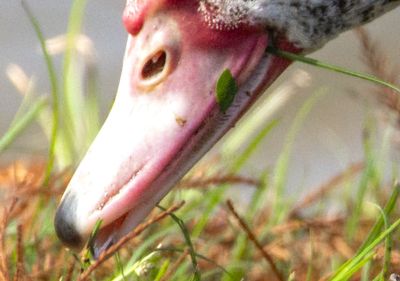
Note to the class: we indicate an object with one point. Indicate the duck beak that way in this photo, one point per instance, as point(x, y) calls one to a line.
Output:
point(166, 116)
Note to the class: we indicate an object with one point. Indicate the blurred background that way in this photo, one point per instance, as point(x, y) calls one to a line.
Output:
point(329, 140)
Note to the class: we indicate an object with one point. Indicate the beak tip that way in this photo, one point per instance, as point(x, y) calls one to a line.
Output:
point(65, 226)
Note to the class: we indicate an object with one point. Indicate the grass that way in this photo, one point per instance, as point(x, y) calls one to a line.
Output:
point(200, 234)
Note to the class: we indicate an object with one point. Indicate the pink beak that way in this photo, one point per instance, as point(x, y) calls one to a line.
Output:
point(165, 117)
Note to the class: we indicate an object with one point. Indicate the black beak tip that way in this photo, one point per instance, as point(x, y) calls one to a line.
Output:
point(65, 226)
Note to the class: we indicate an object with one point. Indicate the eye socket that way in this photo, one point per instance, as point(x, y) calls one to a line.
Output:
point(154, 65)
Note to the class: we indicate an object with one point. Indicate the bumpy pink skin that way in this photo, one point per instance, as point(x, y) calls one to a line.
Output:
point(156, 129)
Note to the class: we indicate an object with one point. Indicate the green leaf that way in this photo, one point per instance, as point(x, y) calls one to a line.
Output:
point(226, 90)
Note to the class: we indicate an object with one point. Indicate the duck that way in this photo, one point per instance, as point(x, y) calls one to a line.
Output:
point(170, 108)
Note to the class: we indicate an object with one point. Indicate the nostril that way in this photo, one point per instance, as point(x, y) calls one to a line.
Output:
point(64, 223)
point(154, 65)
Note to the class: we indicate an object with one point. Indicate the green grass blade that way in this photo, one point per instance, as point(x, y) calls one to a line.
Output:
point(390, 206)
point(200, 256)
point(162, 271)
point(27, 92)
point(214, 198)
point(93, 236)
point(379, 277)
point(388, 247)
point(241, 248)
point(135, 269)
point(147, 244)
point(74, 105)
point(253, 145)
point(366, 271)
point(282, 166)
point(310, 267)
point(120, 266)
point(292, 277)
point(366, 180)
point(21, 123)
point(375, 231)
point(188, 240)
point(375, 237)
point(54, 90)
point(331, 67)
point(355, 266)
point(92, 108)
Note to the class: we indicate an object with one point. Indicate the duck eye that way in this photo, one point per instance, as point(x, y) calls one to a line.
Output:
point(155, 65)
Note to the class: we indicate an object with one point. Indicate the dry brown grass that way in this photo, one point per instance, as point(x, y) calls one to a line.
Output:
point(298, 242)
